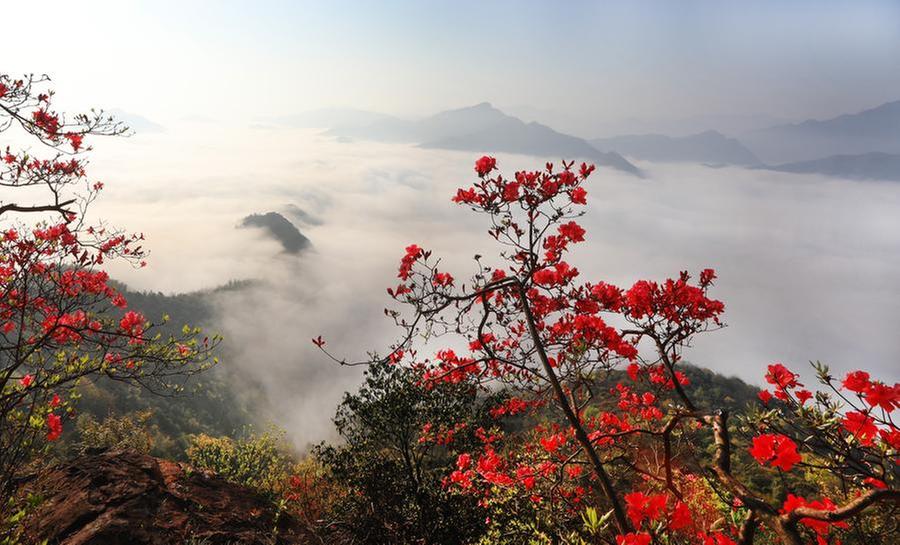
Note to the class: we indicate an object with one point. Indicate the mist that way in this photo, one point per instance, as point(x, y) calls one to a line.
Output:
point(808, 265)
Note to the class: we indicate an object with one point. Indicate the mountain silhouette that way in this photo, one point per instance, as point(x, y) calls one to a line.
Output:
point(705, 147)
point(873, 130)
point(485, 129)
point(867, 166)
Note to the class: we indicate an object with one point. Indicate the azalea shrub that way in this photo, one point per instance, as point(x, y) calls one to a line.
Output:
point(655, 465)
point(61, 321)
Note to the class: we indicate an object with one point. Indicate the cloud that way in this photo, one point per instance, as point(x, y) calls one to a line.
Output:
point(808, 265)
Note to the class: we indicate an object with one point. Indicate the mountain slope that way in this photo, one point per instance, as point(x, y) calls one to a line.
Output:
point(873, 130)
point(705, 147)
point(866, 166)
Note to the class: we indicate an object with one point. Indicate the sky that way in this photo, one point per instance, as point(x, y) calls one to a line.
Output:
point(601, 61)
point(808, 264)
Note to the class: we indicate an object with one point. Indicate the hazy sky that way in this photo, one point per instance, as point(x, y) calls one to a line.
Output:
point(603, 60)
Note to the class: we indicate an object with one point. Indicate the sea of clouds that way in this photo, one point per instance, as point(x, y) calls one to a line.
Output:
point(809, 267)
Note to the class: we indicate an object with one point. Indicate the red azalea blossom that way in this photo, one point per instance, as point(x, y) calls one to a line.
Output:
point(856, 381)
point(54, 427)
point(579, 195)
point(681, 517)
point(132, 323)
point(633, 539)
point(642, 507)
point(861, 426)
point(485, 165)
point(413, 252)
point(74, 139)
point(883, 396)
point(777, 450)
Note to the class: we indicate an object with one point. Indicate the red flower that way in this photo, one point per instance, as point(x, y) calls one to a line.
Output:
point(413, 252)
point(642, 507)
point(319, 341)
point(777, 450)
point(45, 121)
point(443, 279)
point(633, 539)
point(857, 381)
point(26, 381)
point(572, 231)
point(74, 139)
point(884, 396)
point(54, 427)
point(463, 461)
point(579, 195)
point(764, 396)
point(511, 191)
point(545, 277)
point(681, 517)
point(717, 538)
point(633, 371)
point(132, 323)
point(861, 426)
point(485, 165)
point(779, 375)
point(551, 444)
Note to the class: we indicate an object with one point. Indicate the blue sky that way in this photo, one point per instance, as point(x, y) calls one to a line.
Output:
point(604, 60)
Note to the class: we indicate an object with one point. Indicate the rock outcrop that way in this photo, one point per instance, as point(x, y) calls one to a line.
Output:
point(124, 497)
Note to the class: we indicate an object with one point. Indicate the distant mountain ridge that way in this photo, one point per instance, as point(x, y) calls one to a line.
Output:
point(873, 130)
point(705, 147)
point(861, 145)
point(867, 166)
point(482, 128)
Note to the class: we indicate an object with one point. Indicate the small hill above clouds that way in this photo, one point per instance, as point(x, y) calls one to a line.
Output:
point(279, 228)
point(706, 147)
point(484, 129)
point(873, 130)
point(866, 166)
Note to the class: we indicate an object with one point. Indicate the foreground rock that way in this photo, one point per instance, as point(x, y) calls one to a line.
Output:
point(126, 497)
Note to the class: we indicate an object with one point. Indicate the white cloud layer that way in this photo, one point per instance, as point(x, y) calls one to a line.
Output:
point(809, 266)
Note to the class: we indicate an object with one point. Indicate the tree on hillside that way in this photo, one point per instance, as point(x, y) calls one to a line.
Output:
point(60, 320)
point(396, 453)
point(531, 324)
